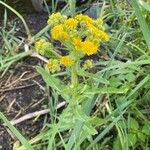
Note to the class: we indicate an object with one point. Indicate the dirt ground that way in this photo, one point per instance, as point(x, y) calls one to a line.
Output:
point(21, 93)
point(21, 89)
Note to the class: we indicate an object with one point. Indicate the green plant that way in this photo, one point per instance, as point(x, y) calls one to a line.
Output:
point(79, 36)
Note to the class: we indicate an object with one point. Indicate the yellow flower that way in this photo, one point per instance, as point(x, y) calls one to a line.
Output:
point(89, 48)
point(42, 46)
point(77, 43)
point(99, 23)
point(84, 18)
point(58, 33)
point(71, 23)
point(66, 61)
point(39, 43)
point(56, 18)
point(81, 34)
point(63, 35)
point(88, 64)
point(93, 29)
point(55, 32)
point(99, 34)
point(103, 35)
point(53, 65)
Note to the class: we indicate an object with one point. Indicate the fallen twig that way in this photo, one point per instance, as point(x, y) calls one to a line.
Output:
point(34, 54)
point(17, 88)
point(35, 114)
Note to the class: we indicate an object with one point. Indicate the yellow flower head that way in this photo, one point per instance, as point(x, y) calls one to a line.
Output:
point(99, 23)
point(84, 18)
point(56, 18)
point(66, 61)
point(63, 35)
point(42, 46)
point(53, 65)
point(103, 35)
point(71, 23)
point(39, 43)
point(93, 29)
point(82, 35)
point(55, 31)
point(97, 33)
point(58, 33)
point(88, 64)
point(89, 48)
point(77, 44)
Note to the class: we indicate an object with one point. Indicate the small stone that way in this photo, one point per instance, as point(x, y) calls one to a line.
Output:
point(92, 11)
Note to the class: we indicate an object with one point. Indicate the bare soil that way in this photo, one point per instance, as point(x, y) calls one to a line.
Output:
point(20, 87)
point(20, 94)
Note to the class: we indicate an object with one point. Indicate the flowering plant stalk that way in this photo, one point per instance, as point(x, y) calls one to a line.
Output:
point(79, 37)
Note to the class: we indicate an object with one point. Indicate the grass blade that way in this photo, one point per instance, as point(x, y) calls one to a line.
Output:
point(24, 142)
point(20, 16)
point(105, 131)
point(143, 25)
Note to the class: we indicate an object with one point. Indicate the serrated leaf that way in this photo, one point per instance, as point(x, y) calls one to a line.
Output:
point(89, 129)
point(108, 90)
point(130, 77)
point(132, 139)
point(115, 82)
point(53, 82)
point(116, 144)
point(97, 121)
point(96, 77)
point(133, 124)
point(146, 128)
point(80, 115)
point(141, 136)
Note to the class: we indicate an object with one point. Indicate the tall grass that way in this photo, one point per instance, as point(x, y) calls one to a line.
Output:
point(21, 138)
point(143, 24)
point(20, 16)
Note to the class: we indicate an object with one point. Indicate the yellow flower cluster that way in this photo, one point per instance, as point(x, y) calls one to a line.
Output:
point(53, 65)
point(66, 61)
point(70, 23)
point(84, 19)
point(81, 32)
point(42, 46)
point(81, 35)
point(38, 44)
point(56, 18)
point(57, 33)
point(88, 64)
point(97, 34)
point(99, 23)
point(87, 47)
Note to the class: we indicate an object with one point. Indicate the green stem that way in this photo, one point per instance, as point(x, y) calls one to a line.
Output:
point(53, 6)
point(74, 76)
